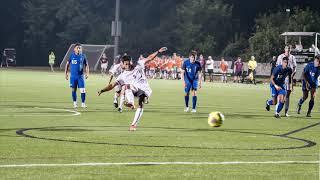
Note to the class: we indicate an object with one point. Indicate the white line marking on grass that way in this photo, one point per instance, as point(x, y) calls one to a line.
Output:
point(74, 113)
point(157, 163)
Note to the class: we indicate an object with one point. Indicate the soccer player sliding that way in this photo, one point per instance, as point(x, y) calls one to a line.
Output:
point(309, 84)
point(191, 76)
point(277, 86)
point(77, 62)
point(134, 83)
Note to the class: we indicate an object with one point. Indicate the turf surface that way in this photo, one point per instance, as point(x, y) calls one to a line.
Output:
point(39, 126)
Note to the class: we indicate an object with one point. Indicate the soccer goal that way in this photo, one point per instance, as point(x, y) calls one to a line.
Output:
point(93, 53)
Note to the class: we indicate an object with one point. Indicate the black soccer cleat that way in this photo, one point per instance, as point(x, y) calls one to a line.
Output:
point(309, 114)
point(267, 106)
point(115, 105)
point(120, 110)
point(277, 116)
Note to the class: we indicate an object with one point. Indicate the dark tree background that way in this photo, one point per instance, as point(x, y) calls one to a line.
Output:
point(213, 27)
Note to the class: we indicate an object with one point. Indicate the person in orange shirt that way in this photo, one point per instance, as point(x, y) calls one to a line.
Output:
point(224, 70)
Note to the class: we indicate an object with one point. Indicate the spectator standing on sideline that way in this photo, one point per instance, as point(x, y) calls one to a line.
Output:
point(52, 58)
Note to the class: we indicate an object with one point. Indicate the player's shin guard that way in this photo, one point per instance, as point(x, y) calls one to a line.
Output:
point(115, 98)
point(194, 102)
point(137, 117)
point(74, 96)
point(121, 101)
point(83, 97)
point(279, 107)
point(311, 104)
point(186, 100)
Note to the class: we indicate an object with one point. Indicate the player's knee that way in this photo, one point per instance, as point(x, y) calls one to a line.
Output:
point(194, 93)
point(186, 94)
point(74, 89)
point(82, 90)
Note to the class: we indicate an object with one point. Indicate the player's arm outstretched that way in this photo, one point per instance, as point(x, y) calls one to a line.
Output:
point(109, 87)
point(153, 55)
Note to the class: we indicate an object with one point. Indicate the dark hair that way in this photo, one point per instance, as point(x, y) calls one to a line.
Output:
point(77, 44)
point(125, 58)
point(285, 58)
point(193, 53)
point(317, 57)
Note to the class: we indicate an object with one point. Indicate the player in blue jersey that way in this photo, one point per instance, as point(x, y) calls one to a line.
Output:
point(309, 84)
point(277, 86)
point(191, 76)
point(77, 63)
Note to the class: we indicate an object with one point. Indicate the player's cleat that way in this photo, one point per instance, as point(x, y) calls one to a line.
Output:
point(99, 93)
point(267, 106)
point(83, 105)
point(186, 109)
point(146, 100)
point(308, 114)
point(298, 109)
point(133, 128)
point(120, 110)
point(115, 104)
point(277, 116)
point(287, 115)
point(75, 105)
point(193, 110)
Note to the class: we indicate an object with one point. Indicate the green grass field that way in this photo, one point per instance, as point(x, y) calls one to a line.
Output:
point(39, 126)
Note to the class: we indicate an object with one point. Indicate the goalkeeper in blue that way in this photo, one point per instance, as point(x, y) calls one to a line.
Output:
point(309, 84)
point(277, 86)
point(77, 63)
point(191, 76)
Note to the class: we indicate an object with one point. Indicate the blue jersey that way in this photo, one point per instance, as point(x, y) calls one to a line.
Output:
point(77, 62)
point(311, 73)
point(280, 75)
point(191, 70)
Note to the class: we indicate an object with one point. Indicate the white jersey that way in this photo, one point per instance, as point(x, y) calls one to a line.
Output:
point(116, 70)
point(292, 63)
point(136, 78)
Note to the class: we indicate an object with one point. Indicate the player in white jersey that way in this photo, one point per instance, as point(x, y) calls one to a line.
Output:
point(115, 71)
point(292, 63)
point(134, 83)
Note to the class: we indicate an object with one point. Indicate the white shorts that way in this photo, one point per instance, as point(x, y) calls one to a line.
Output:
point(104, 66)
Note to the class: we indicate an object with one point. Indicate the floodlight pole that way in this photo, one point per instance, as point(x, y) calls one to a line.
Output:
point(117, 26)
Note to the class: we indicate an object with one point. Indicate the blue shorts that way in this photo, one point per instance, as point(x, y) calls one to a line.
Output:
point(275, 92)
point(191, 86)
point(77, 82)
point(312, 86)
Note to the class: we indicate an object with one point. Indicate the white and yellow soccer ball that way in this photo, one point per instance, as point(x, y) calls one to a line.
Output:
point(215, 119)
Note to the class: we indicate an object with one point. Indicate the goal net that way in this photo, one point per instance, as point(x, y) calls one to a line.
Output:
point(93, 54)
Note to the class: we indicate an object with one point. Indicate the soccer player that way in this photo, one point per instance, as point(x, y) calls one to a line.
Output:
point(291, 64)
point(191, 76)
point(237, 70)
point(277, 86)
point(135, 83)
point(309, 84)
point(115, 71)
point(77, 62)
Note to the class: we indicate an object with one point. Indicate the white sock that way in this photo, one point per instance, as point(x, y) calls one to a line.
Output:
point(129, 96)
point(121, 101)
point(115, 98)
point(137, 117)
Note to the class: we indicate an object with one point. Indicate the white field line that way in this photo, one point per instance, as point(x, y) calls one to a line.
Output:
point(74, 113)
point(157, 163)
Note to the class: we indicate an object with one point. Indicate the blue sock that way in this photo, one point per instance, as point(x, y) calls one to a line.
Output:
point(83, 97)
point(279, 107)
point(186, 100)
point(270, 102)
point(194, 102)
point(301, 101)
point(74, 96)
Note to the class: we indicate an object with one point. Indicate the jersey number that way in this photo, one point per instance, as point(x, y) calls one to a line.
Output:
point(74, 62)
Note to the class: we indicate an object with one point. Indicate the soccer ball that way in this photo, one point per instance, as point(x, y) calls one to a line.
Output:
point(215, 119)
